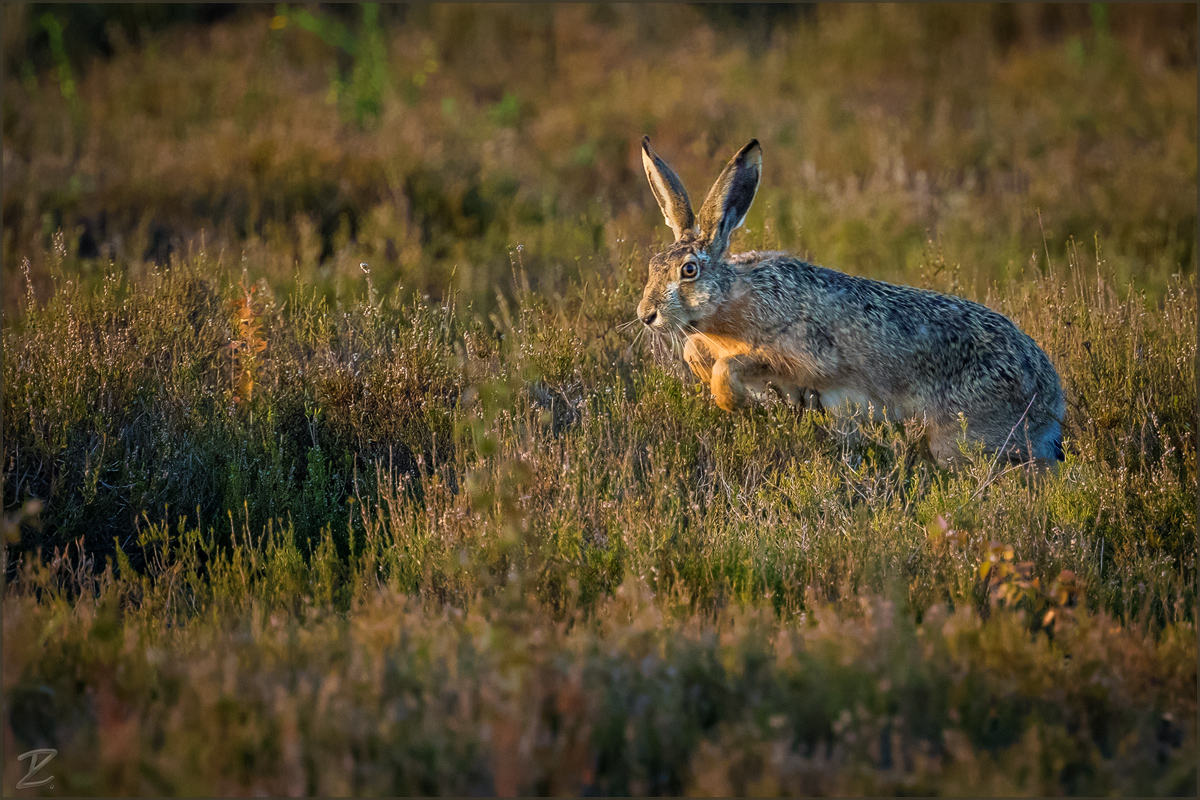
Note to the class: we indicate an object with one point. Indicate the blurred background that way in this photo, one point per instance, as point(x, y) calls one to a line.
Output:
point(950, 146)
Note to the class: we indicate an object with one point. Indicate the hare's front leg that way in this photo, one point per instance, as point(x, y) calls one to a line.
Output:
point(729, 376)
point(698, 357)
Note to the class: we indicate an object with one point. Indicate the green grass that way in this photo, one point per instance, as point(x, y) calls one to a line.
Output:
point(538, 534)
point(278, 525)
point(882, 127)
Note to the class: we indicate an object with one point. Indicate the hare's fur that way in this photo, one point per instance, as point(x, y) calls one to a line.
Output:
point(761, 321)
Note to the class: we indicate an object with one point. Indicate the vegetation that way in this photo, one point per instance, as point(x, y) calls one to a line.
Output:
point(330, 464)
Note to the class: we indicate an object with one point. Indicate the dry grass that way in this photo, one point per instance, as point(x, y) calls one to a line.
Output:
point(881, 126)
point(445, 527)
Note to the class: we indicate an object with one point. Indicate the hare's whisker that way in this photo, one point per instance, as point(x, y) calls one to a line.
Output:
point(625, 325)
point(637, 338)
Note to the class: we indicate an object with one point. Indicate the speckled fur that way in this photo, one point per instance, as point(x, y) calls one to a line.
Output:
point(757, 321)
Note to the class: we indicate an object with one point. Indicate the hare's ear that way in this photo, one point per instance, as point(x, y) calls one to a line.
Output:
point(729, 199)
point(668, 191)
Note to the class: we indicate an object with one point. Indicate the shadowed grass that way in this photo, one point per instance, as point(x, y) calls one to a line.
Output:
point(407, 469)
point(248, 681)
point(881, 126)
point(280, 523)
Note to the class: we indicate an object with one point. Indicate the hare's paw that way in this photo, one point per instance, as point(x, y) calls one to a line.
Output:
point(699, 359)
point(798, 397)
point(726, 394)
point(728, 382)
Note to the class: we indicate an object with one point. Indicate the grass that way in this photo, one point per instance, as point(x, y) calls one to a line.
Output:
point(882, 127)
point(278, 523)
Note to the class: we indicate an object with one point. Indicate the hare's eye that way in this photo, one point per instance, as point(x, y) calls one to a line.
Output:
point(689, 270)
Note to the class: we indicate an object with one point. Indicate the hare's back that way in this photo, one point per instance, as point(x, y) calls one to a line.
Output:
point(913, 339)
point(906, 315)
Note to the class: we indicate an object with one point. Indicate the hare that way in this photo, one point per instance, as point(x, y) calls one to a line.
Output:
point(761, 321)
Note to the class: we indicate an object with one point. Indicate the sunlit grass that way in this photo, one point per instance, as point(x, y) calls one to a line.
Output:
point(277, 522)
point(882, 127)
point(402, 471)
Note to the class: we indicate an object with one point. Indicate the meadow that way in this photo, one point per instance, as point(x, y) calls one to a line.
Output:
point(329, 467)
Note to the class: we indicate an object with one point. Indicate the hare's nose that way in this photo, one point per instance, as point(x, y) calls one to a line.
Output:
point(649, 317)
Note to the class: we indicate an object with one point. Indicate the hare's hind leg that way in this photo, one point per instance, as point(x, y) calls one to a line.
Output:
point(1010, 446)
point(943, 446)
point(1047, 443)
point(1043, 449)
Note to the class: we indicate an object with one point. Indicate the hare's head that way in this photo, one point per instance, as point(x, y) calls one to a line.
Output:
point(690, 279)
